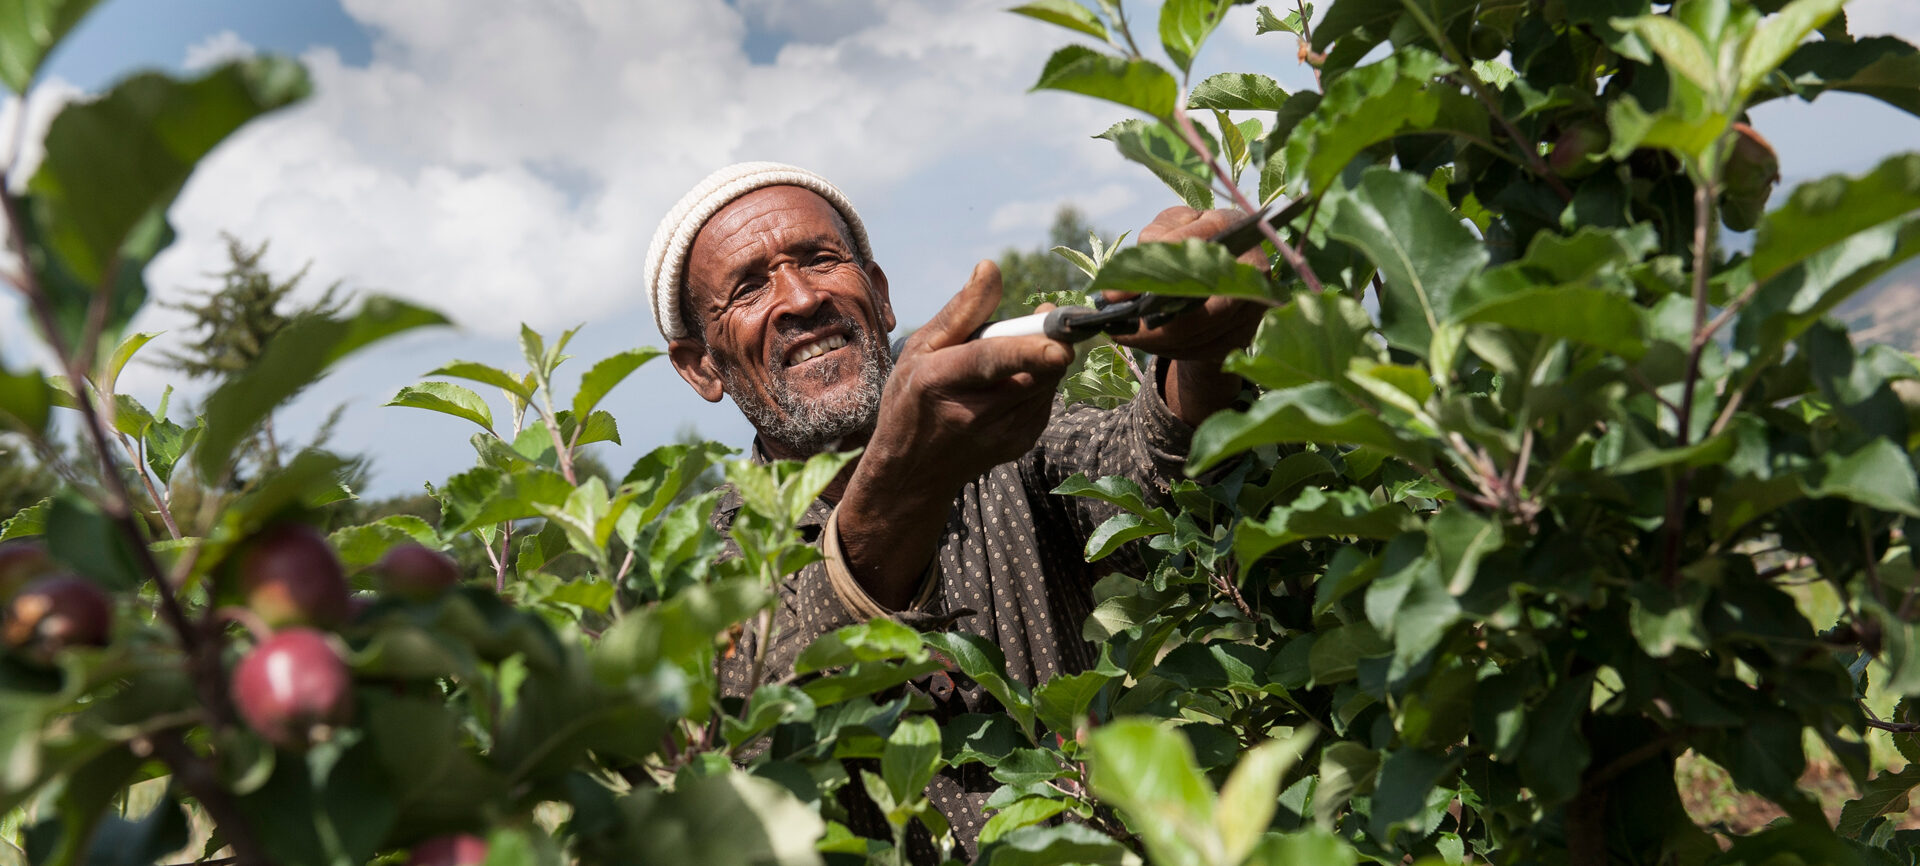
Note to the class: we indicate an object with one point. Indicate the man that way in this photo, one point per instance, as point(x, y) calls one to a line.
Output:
point(764, 284)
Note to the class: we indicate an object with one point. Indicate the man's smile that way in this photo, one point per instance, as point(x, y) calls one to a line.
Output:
point(809, 349)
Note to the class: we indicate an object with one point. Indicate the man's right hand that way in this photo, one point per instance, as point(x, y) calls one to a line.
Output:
point(952, 409)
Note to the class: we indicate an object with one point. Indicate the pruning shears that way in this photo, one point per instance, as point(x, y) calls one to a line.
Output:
point(1077, 323)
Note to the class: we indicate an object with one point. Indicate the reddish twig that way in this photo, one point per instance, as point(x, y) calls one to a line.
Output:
point(1288, 252)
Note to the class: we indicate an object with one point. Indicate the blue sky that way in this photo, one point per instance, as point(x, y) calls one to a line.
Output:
point(505, 161)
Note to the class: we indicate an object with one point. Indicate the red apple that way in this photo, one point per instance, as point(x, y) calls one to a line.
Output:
point(1752, 170)
point(456, 849)
point(416, 572)
point(1576, 143)
point(290, 576)
point(53, 613)
point(293, 688)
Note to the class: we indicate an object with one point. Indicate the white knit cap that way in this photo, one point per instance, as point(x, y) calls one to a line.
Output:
point(667, 255)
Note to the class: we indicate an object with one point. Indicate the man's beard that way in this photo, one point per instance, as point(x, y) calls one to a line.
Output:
point(811, 425)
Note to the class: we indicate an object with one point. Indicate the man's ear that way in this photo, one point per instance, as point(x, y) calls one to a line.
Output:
point(878, 278)
point(690, 358)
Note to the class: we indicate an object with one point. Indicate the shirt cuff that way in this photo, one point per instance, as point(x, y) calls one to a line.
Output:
point(852, 596)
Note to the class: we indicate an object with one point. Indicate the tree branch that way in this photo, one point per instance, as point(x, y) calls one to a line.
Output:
point(1291, 255)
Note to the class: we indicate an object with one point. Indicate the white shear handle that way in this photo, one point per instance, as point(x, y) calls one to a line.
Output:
point(1023, 326)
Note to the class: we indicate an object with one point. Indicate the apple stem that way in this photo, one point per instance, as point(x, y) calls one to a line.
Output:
point(255, 626)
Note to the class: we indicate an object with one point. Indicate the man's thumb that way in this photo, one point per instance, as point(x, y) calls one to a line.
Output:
point(966, 312)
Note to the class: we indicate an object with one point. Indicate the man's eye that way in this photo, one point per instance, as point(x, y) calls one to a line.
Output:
point(825, 260)
point(744, 292)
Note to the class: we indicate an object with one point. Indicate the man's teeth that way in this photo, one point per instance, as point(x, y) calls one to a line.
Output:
point(816, 348)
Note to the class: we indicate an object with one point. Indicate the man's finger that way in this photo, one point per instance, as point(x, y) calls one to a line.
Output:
point(985, 362)
point(965, 313)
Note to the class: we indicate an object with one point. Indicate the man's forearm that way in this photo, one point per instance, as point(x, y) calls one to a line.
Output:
point(888, 544)
point(1197, 389)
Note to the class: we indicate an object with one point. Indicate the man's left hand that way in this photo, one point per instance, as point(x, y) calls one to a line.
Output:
point(1209, 331)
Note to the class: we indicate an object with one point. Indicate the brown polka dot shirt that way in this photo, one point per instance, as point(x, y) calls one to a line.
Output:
point(1015, 554)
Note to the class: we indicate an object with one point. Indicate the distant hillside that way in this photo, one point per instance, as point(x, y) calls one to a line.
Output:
point(1887, 311)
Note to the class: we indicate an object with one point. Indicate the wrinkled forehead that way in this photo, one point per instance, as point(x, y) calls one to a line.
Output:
point(761, 223)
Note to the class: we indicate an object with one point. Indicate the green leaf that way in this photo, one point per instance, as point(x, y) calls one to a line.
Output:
point(1886, 793)
point(1882, 67)
point(28, 521)
point(1147, 771)
point(596, 382)
point(772, 705)
point(980, 659)
point(29, 29)
point(1137, 84)
point(1396, 96)
point(113, 163)
point(484, 374)
point(1312, 845)
point(296, 357)
point(1021, 813)
point(1252, 792)
point(874, 640)
point(1679, 47)
point(1238, 91)
point(26, 401)
point(600, 427)
point(121, 355)
point(1878, 475)
point(167, 442)
point(733, 817)
point(363, 545)
point(911, 756)
point(1307, 413)
point(1057, 846)
point(1166, 153)
point(1595, 317)
point(484, 496)
point(1776, 38)
point(1065, 13)
point(1555, 752)
point(1062, 701)
point(447, 399)
point(1319, 514)
point(1825, 212)
point(1120, 529)
point(1785, 306)
point(1407, 778)
point(1420, 246)
point(82, 538)
point(1185, 25)
point(1313, 339)
point(1189, 268)
point(1346, 768)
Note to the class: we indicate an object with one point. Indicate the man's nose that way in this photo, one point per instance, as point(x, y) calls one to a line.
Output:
point(796, 295)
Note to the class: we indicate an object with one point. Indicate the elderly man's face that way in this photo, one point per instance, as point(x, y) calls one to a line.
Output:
point(786, 319)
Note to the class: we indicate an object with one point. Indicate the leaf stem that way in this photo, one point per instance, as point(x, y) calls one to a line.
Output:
point(1703, 198)
point(211, 689)
point(1306, 43)
point(1293, 258)
point(140, 467)
point(500, 565)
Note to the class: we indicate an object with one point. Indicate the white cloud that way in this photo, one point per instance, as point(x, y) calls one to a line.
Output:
point(217, 49)
point(1033, 216)
point(1874, 17)
point(18, 343)
point(506, 161)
